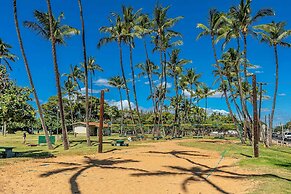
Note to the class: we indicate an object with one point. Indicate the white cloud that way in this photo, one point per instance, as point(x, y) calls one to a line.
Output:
point(147, 83)
point(209, 111)
point(169, 85)
point(214, 94)
point(90, 91)
point(102, 82)
point(265, 110)
point(255, 67)
point(144, 109)
point(118, 104)
point(282, 94)
point(259, 72)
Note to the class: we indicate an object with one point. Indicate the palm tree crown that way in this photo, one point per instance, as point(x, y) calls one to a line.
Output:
point(42, 27)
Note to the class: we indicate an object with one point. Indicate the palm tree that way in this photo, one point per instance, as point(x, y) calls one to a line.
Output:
point(119, 83)
point(130, 22)
point(215, 22)
point(5, 54)
point(52, 29)
point(76, 74)
point(242, 16)
point(206, 91)
point(30, 76)
point(117, 34)
point(85, 72)
point(148, 69)
point(275, 35)
point(175, 65)
point(92, 67)
point(70, 90)
point(163, 34)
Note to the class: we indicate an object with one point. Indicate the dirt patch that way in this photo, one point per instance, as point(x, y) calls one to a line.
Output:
point(163, 167)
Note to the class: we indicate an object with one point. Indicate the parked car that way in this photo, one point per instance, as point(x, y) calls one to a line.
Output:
point(287, 136)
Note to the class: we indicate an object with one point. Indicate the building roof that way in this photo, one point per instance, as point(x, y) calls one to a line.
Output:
point(91, 124)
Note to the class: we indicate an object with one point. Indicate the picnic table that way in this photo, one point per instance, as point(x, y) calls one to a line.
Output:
point(8, 153)
point(119, 142)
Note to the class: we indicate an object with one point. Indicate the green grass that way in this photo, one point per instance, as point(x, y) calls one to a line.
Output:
point(274, 161)
point(78, 146)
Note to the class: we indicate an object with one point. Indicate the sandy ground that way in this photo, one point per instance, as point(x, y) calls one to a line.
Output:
point(163, 167)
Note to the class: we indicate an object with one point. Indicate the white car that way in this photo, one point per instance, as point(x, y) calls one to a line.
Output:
point(287, 136)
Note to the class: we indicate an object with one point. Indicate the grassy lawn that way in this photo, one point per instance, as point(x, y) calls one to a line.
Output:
point(274, 161)
point(78, 146)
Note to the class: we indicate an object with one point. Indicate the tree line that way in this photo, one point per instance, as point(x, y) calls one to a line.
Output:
point(228, 30)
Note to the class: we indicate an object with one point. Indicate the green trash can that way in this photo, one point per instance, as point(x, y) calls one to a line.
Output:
point(41, 139)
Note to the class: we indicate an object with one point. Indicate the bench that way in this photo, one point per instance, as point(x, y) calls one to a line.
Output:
point(157, 138)
point(119, 143)
point(7, 153)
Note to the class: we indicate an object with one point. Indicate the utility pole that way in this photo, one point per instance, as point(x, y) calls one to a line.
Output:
point(270, 131)
point(282, 134)
point(100, 129)
point(255, 119)
point(261, 96)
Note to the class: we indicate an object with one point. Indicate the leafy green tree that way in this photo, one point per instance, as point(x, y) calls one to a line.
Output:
point(14, 105)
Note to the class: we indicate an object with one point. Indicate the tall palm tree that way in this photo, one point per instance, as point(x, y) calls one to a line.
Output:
point(130, 22)
point(275, 35)
point(92, 67)
point(117, 34)
point(243, 17)
point(52, 29)
point(76, 74)
point(30, 76)
point(162, 35)
point(70, 89)
point(215, 22)
point(86, 73)
point(119, 83)
point(148, 69)
point(206, 91)
point(175, 65)
point(6, 55)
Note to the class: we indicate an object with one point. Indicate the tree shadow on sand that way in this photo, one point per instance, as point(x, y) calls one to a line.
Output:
point(91, 163)
point(200, 172)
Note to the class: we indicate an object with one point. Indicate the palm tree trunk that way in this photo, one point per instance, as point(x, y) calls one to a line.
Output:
point(121, 104)
point(86, 73)
point(57, 77)
point(224, 91)
point(276, 86)
point(125, 81)
point(30, 77)
point(176, 103)
point(134, 89)
point(161, 94)
point(151, 83)
point(91, 103)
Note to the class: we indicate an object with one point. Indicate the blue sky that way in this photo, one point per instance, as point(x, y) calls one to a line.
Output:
point(96, 15)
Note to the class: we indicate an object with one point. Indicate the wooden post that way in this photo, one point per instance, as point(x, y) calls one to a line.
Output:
point(100, 129)
point(270, 132)
point(255, 115)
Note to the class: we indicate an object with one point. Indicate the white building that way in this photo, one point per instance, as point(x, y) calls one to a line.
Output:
point(80, 128)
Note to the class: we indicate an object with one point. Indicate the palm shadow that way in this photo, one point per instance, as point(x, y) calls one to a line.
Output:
point(201, 172)
point(91, 163)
